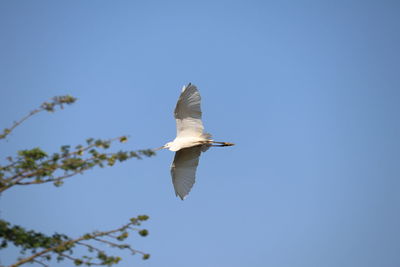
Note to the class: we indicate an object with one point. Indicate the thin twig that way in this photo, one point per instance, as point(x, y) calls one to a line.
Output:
point(17, 123)
point(121, 246)
point(90, 247)
point(52, 179)
point(8, 166)
point(83, 262)
point(41, 263)
point(56, 101)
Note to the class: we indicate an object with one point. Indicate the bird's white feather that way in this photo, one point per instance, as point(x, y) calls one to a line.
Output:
point(188, 113)
point(183, 170)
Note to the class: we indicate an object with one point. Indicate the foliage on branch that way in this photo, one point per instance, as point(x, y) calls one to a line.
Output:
point(35, 166)
point(44, 248)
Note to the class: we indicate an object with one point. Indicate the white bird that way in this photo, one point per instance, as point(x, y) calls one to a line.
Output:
point(190, 140)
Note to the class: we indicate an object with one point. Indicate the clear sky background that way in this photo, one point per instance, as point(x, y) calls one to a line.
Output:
point(308, 90)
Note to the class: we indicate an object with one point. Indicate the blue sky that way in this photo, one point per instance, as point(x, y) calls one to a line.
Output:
point(308, 90)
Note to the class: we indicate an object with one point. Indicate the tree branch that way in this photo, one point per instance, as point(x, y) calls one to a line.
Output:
point(63, 246)
point(42, 168)
point(48, 106)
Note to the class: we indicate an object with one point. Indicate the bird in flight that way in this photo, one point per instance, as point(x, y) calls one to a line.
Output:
point(190, 140)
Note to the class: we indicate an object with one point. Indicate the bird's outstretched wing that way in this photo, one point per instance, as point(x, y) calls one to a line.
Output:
point(188, 113)
point(183, 170)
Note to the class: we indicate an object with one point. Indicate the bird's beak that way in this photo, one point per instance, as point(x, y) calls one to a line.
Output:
point(228, 144)
point(158, 148)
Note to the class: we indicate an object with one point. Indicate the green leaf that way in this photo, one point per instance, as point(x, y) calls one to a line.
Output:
point(143, 232)
point(143, 217)
point(123, 236)
point(123, 139)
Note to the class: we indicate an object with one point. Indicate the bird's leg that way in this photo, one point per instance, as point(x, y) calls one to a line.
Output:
point(221, 143)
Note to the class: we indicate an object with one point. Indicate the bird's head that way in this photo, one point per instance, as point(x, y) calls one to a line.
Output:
point(167, 145)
